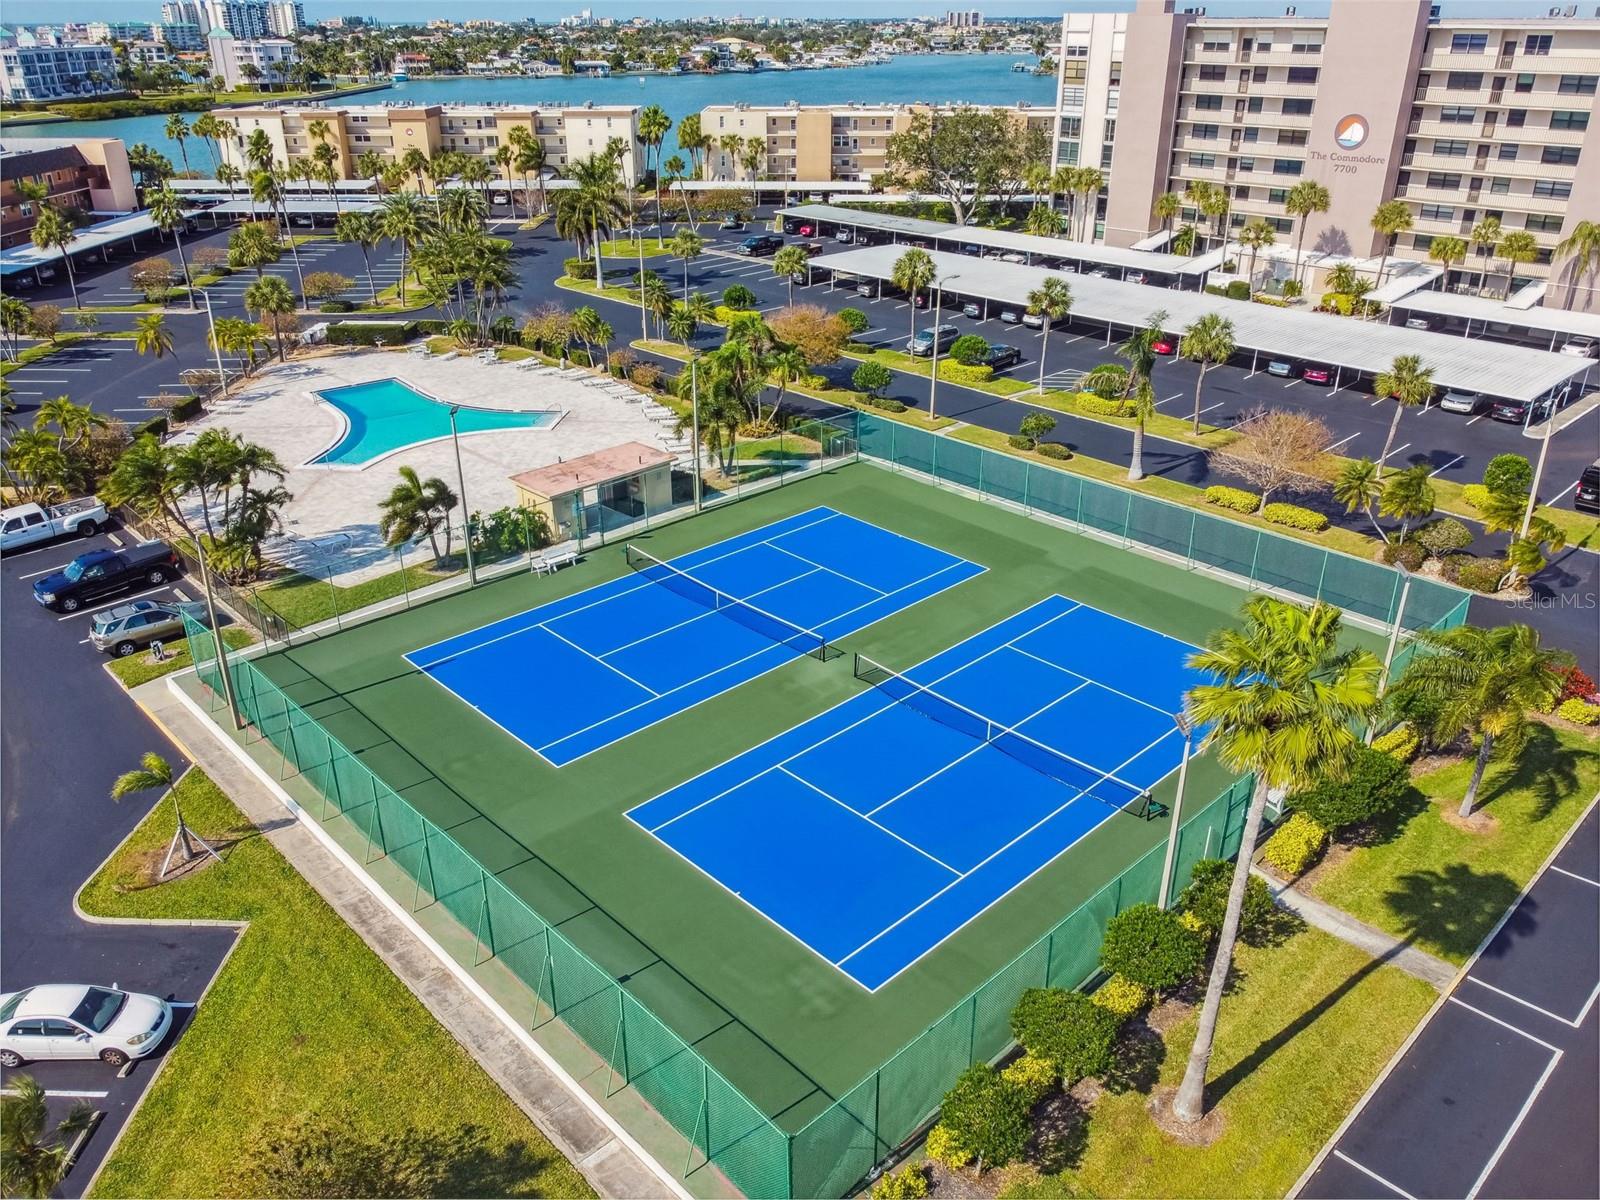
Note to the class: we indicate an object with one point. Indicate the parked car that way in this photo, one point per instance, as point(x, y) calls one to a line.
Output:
point(125, 628)
point(1033, 320)
point(1165, 345)
point(1283, 368)
point(844, 237)
point(812, 249)
point(733, 224)
point(867, 288)
point(1583, 347)
point(1422, 322)
point(806, 230)
point(74, 1020)
point(1458, 401)
point(1587, 496)
point(1010, 316)
point(1317, 373)
point(927, 341)
point(105, 573)
point(1517, 411)
point(972, 309)
point(1013, 257)
point(1136, 277)
point(26, 524)
point(1100, 273)
point(998, 358)
point(760, 244)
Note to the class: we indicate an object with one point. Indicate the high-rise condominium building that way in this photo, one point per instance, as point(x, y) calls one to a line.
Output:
point(393, 131)
point(818, 142)
point(1461, 118)
point(242, 18)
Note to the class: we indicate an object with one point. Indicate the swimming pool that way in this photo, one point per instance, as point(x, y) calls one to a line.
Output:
point(387, 415)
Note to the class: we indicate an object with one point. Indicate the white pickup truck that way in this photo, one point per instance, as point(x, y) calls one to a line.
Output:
point(25, 524)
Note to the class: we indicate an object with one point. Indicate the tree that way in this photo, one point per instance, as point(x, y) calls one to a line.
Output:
point(594, 205)
point(530, 160)
point(166, 210)
point(1359, 485)
point(152, 276)
point(361, 228)
point(1518, 246)
point(1408, 383)
point(254, 246)
point(913, 273)
point(962, 153)
point(988, 1114)
point(592, 330)
point(1390, 219)
point(656, 296)
point(1275, 448)
point(45, 321)
point(791, 263)
point(1166, 208)
point(1044, 221)
point(1482, 683)
point(1306, 197)
point(155, 773)
point(1035, 427)
point(873, 378)
point(1409, 496)
point(1582, 248)
point(1208, 341)
point(417, 506)
point(33, 1158)
point(1066, 1029)
point(820, 335)
point(14, 323)
point(1485, 240)
point(270, 299)
point(266, 187)
point(1256, 236)
point(177, 130)
point(1051, 300)
point(53, 231)
point(1285, 700)
point(1531, 533)
point(653, 126)
point(687, 245)
point(1447, 250)
point(403, 219)
point(322, 285)
point(1132, 383)
point(151, 335)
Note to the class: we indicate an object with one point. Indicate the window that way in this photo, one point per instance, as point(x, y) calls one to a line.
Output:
point(1071, 127)
point(1454, 115)
point(1537, 43)
point(1464, 81)
point(1212, 73)
point(1500, 187)
point(1291, 137)
point(1438, 212)
point(1202, 161)
point(1203, 132)
point(1469, 43)
point(1252, 134)
point(1306, 43)
point(1247, 164)
point(1543, 223)
point(1109, 130)
point(1281, 224)
point(1577, 85)
point(1561, 156)
point(1254, 104)
point(1068, 154)
point(1071, 97)
point(1569, 120)
point(1508, 152)
point(1442, 179)
point(1524, 83)
point(1297, 107)
point(1551, 189)
point(1449, 149)
point(1208, 103)
point(1216, 46)
point(1259, 75)
point(1287, 166)
point(1516, 118)
point(1277, 195)
point(1421, 241)
point(1309, 75)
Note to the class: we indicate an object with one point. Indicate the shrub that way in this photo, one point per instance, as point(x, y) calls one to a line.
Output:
point(1237, 289)
point(955, 372)
point(151, 275)
point(1373, 783)
point(578, 268)
point(886, 403)
point(988, 1116)
point(1481, 574)
point(370, 333)
point(1053, 450)
point(908, 1183)
point(1508, 475)
point(321, 285)
point(1017, 442)
point(1033, 1076)
point(1099, 406)
point(969, 348)
point(1295, 517)
point(1407, 554)
point(1579, 712)
point(1206, 898)
point(1151, 947)
point(1068, 1029)
point(210, 258)
point(336, 306)
point(1402, 742)
point(1035, 427)
point(1236, 499)
point(946, 1149)
point(1474, 494)
point(1271, 301)
point(1339, 302)
point(1576, 684)
point(1194, 925)
point(646, 375)
point(722, 314)
point(1296, 844)
point(1443, 536)
point(738, 296)
point(1121, 997)
point(871, 378)
point(1292, 289)
point(855, 320)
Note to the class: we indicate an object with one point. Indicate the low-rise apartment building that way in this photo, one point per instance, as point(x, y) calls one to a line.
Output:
point(818, 142)
point(1462, 118)
point(250, 62)
point(41, 72)
point(567, 133)
point(89, 175)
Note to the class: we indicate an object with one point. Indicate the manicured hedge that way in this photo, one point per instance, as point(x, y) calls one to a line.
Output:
point(1099, 406)
point(886, 403)
point(578, 268)
point(1401, 742)
point(1053, 450)
point(1579, 712)
point(1151, 947)
point(371, 333)
point(1475, 494)
point(855, 320)
point(955, 372)
point(1481, 574)
point(1373, 783)
point(336, 306)
point(1296, 844)
point(1232, 498)
point(1295, 517)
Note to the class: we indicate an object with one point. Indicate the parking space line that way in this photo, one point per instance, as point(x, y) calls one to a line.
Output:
point(1516, 1124)
point(1538, 1041)
point(1377, 400)
point(62, 1094)
point(1371, 1174)
point(1563, 870)
point(1291, 383)
point(1447, 465)
point(1340, 442)
point(1209, 407)
point(1395, 451)
point(46, 571)
point(1525, 1003)
point(1170, 399)
point(88, 610)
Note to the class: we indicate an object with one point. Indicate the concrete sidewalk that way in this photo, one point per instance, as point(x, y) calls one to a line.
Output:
point(613, 1166)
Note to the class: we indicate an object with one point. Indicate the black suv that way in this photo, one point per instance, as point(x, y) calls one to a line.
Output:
point(1000, 357)
point(761, 243)
point(104, 573)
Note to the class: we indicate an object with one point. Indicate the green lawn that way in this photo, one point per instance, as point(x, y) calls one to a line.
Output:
point(1308, 1026)
point(1444, 887)
point(305, 1019)
point(139, 667)
point(629, 248)
point(303, 600)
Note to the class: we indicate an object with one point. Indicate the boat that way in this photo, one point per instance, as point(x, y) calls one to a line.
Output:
point(1022, 66)
point(400, 77)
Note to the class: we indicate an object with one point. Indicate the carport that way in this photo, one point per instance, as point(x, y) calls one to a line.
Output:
point(1353, 348)
point(1519, 317)
point(100, 237)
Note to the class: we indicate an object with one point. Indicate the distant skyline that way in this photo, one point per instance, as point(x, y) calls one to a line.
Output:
point(44, 12)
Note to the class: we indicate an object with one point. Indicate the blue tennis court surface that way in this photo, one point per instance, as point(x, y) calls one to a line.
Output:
point(875, 830)
point(579, 673)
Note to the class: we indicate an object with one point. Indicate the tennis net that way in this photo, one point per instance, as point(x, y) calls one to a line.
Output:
point(1090, 781)
point(786, 633)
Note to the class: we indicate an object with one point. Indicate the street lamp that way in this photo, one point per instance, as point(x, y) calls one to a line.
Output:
point(933, 377)
point(1551, 429)
point(461, 485)
point(1185, 727)
point(694, 427)
point(211, 322)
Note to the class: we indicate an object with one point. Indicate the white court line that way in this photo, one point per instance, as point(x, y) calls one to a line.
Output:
point(816, 566)
point(1447, 465)
point(1097, 683)
point(1541, 1011)
point(1553, 867)
point(1371, 1174)
point(1340, 442)
point(701, 616)
point(599, 660)
point(869, 820)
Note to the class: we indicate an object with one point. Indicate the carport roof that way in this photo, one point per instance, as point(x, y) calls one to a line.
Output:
point(90, 237)
point(1471, 364)
point(1002, 239)
point(1477, 308)
point(325, 208)
point(770, 185)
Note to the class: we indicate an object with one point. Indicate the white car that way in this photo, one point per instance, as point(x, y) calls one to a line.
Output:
point(1582, 347)
point(1033, 320)
point(74, 1020)
point(1457, 400)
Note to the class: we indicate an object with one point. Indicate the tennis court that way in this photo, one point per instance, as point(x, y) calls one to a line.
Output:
point(572, 676)
point(878, 828)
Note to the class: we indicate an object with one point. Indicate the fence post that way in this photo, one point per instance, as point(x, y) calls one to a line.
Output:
point(1027, 487)
point(1322, 574)
point(1127, 521)
point(1194, 521)
point(1254, 555)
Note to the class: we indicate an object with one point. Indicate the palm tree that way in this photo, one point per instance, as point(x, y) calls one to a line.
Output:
point(1582, 246)
point(1485, 240)
point(531, 161)
point(1306, 197)
point(254, 244)
point(417, 506)
point(656, 296)
point(1447, 250)
point(1283, 706)
point(791, 263)
point(1530, 533)
point(1484, 682)
point(913, 273)
point(1132, 383)
point(415, 163)
point(75, 423)
point(151, 335)
point(593, 330)
point(38, 466)
point(504, 157)
point(228, 175)
point(1044, 221)
point(1166, 208)
point(1518, 246)
point(209, 129)
point(53, 231)
point(1408, 495)
point(1089, 181)
point(596, 204)
point(266, 187)
point(177, 130)
point(681, 322)
point(360, 228)
point(687, 245)
point(654, 124)
point(271, 300)
point(166, 210)
point(785, 365)
point(1408, 383)
point(155, 772)
point(402, 218)
point(1051, 300)
point(33, 1162)
point(15, 319)
point(1208, 341)
point(1390, 219)
point(1360, 485)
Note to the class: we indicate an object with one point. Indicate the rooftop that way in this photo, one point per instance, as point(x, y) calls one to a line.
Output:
point(90, 237)
point(591, 470)
point(1498, 312)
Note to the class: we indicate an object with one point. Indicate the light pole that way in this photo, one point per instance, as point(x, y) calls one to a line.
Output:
point(461, 484)
point(933, 376)
point(694, 427)
point(211, 322)
point(1538, 472)
point(216, 633)
point(1186, 728)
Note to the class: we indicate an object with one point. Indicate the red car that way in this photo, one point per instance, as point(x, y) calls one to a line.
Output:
point(1317, 374)
point(1164, 345)
point(805, 230)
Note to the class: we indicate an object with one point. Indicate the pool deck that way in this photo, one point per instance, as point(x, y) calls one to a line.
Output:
point(336, 507)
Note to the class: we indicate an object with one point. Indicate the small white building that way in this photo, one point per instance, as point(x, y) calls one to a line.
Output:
point(232, 58)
